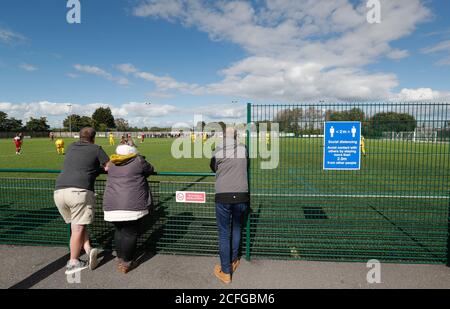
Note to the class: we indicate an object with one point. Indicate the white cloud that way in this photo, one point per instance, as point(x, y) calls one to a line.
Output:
point(134, 109)
point(397, 54)
point(222, 112)
point(126, 68)
point(28, 67)
point(162, 83)
point(421, 94)
point(445, 61)
point(267, 78)
point(11, 37)
point(298, 50)
point(93, 70)
point(442, 47)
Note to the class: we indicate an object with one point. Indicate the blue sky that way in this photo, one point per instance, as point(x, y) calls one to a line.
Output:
point(199, 56)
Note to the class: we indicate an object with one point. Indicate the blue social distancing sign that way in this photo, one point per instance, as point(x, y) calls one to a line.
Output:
point(342, 146)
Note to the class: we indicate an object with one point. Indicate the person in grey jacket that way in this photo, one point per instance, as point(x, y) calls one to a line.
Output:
point(230, 163)
point(126, 201)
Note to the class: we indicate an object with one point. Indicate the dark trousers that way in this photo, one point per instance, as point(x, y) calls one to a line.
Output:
point(229, 222)
point(125, 238)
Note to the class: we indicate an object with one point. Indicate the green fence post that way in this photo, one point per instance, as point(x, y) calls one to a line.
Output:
point(448, 225)
point(247, 245)
point(448, 234)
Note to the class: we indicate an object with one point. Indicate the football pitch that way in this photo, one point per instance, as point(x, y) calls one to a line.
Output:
point(41, 153)
point(395, 208)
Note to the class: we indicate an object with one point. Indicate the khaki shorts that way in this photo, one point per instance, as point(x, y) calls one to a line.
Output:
point(76, 206)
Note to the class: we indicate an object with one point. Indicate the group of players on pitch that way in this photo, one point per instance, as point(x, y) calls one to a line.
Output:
point(126, 139)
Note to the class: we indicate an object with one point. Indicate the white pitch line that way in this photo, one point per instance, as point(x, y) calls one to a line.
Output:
point(356, 196)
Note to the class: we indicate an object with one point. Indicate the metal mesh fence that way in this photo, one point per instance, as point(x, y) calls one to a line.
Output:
point(396, 208)
point(28, 216)
point(171, 227)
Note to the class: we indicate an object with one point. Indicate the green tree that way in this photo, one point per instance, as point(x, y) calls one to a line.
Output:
point(37, 125)
point(13, 125)
point(102, 127)
point(9, 124)
point(122, 125)
point(103, 116)
point(72, 122)
point(86, 121)
point(77, 122)
point(391, 122)
point(3, 117)
point(289, 120)
point(355, 114)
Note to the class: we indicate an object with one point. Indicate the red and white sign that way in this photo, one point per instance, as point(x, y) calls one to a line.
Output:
point(191, 197)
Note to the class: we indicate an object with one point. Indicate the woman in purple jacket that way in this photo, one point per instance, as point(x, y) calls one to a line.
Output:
point(126, 201)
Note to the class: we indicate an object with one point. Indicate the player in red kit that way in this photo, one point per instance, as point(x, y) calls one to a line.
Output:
point(18, 142)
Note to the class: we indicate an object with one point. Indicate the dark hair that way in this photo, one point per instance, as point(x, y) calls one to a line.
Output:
point(87, 134)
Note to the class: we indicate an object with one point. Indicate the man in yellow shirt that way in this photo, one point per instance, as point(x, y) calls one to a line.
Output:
point(59, 146)
point(111, 139)
point(204, 138)
point(193, 137)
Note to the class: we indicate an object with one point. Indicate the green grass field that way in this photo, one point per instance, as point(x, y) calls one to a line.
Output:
point(395, 208)
point(41, 153)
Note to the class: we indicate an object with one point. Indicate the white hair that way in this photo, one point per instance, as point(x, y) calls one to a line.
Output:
point(125, 150)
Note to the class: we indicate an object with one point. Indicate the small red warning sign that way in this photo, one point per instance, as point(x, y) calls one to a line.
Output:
point(191, 197)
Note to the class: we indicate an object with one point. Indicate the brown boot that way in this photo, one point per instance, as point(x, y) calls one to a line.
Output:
point(225, 278)
point(125, 268)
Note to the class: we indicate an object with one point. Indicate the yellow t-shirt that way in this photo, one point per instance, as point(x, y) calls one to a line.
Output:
point(59, 143)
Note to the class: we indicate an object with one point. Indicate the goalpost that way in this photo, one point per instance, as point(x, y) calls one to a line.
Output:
point(418, 136)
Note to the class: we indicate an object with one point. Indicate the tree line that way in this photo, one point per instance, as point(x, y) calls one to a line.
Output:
point(310, 121)
point(11, 124)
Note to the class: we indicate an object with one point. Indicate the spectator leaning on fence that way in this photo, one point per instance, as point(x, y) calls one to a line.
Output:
point(74, 195)
point(126, 201)
point(229, 162)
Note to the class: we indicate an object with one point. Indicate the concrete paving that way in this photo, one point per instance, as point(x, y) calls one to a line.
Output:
point(40, 267)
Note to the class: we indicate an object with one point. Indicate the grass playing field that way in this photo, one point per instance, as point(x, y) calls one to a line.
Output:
point(41, 153)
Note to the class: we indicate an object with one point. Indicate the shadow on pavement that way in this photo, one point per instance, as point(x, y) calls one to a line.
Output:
point(42, 274)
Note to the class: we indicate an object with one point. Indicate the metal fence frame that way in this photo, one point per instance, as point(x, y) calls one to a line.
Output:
point(428, 115)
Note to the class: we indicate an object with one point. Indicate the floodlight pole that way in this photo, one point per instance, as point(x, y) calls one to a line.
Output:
point(70, 119)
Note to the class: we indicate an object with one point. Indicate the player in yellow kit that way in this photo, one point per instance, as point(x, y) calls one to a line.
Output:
point(112, 142)
point(59, 146)
point(267, 138)
point(204, 138)
point(193, 137)
point(363, 145)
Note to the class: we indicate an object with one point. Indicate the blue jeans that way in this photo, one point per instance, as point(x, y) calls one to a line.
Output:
point(226, 214)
